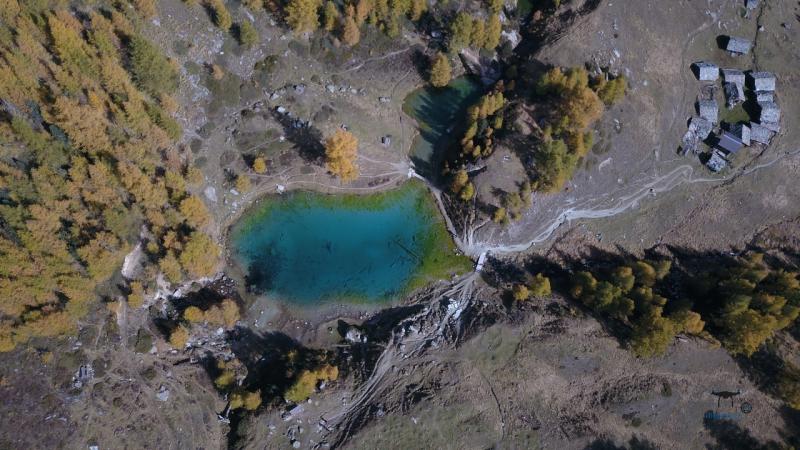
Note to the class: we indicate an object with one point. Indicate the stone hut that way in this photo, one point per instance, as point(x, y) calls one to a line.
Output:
point(742, 132)
point(770, 114)
point(729, 142)
point(734, 76)
point(760, 134)
point(765, 96)
point(708, 110)
point(738, 46)
point(717, 161)
point(763, 81)
point(701, 127)
point(706, 71)
point(690, 143)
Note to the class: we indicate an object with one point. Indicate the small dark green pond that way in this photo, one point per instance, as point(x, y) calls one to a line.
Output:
point(438, 112)
point(307, 249)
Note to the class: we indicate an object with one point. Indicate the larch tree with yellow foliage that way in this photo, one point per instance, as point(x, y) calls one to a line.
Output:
point(350, 32)
point(259, 165)
point(341, 151)
point(301, 15)
point(441, 71)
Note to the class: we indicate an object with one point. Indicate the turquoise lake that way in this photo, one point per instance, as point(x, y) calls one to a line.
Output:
point(307, 249)
point(438, 111)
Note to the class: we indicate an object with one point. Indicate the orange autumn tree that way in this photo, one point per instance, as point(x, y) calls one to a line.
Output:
point(341, 151)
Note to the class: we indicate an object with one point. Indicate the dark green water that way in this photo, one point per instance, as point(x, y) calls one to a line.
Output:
point(438, 112)
point(308, 249)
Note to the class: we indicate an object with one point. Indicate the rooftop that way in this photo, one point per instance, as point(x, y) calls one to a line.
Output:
point(735, 76)
point(770, 112)
point(765, 96)
point(729, 142)
point(706, 71)
point(701, 127)
point(738, 45)
point(742, 132)
point(759, 133)
point(708, 110)
point(716, 162)
point(763, 81)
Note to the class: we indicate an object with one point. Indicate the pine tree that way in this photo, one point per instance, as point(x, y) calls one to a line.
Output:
point(330, 15)
point(418, 7)
point(194, 211)
point(495, 6)
point(520, 292)
point(301, 15)
point(259, 165)
point(220, 14)
point(350, 32)
point(199, 256)
point(478, 35)
point(441, 72)
point(146, 7)
point(540, 286)
point(341, 152)
point(243, 184)
point(460, 32)
point(493, 32)
point(363, 10)
point(247, 34)
point(151, 70)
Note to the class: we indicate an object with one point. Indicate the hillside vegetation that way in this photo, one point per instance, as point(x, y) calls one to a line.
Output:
point(88, 164)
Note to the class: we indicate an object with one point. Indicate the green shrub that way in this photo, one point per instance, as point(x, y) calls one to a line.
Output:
point(246, 34)
point(540, 286)
point(150, 69)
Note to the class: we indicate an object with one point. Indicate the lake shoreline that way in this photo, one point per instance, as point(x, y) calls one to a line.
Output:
point(435, 243)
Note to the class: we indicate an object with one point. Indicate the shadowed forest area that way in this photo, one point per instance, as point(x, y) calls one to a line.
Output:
point(740, 302)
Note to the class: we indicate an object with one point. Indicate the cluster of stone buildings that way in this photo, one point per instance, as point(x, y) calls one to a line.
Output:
point(725, 139)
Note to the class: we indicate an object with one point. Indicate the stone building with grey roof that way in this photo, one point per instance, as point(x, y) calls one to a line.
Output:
point(706, 71)
point(765, 96)
point(716, 162)
point(729, 142)
point(762, 81)
point(708, 109)
point(701, 127)
point(734, 76)
point(760, 134)
point(738, 46)
point(742, 132)
point(770, 113)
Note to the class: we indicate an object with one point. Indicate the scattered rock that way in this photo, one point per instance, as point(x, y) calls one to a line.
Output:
point(163, 393)
point(355, 336)
point(211, 193)
point(83, 375)
point(288, 415)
